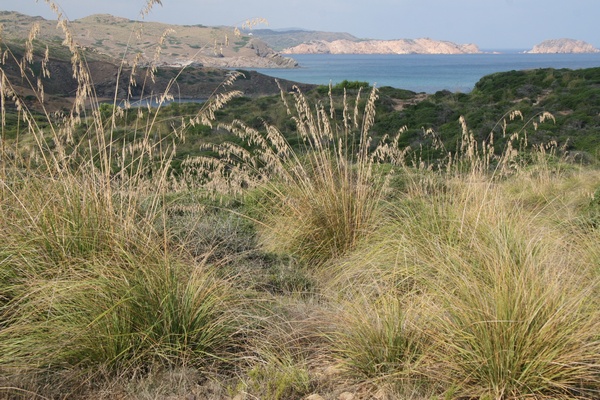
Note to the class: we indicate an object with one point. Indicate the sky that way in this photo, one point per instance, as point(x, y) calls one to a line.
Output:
point(490, 24)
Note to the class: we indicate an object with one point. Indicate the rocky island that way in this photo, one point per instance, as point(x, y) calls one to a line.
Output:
point(400, 46)
point(563, 46)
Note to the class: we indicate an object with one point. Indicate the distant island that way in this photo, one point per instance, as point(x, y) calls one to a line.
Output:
point(400, 46)
point(563, 46)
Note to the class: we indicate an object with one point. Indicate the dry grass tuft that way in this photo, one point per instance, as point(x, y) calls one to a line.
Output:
point(318, 201)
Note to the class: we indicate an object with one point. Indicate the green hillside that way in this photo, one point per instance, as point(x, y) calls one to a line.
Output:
point(572, 97)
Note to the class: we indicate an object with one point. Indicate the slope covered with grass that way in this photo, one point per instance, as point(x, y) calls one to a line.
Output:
point(310, 252)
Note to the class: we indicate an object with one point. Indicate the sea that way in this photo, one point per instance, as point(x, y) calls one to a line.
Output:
point(422, 72)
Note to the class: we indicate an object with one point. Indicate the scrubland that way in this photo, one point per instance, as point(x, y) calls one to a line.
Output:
point(270, 266)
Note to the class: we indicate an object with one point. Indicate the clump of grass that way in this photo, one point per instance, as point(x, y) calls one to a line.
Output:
point(81, 291)
point(499, 348)
point(513, 315)
point(318, 201)
point(280, 375)
point(377, 338)
point(505, 290)
point(514, 326)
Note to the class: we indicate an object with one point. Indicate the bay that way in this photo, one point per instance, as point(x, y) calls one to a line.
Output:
point(422, 72)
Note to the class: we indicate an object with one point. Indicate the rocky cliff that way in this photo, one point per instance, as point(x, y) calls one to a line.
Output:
point(563, 46)
point(401, 46)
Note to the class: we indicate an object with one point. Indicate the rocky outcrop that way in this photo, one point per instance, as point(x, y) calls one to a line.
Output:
point(266, 57)
point(563, 46)
point(401, 46)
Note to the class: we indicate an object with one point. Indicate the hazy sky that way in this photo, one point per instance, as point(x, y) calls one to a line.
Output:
point(491, 24)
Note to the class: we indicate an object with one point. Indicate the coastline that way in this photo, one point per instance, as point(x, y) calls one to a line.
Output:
point(427, 73)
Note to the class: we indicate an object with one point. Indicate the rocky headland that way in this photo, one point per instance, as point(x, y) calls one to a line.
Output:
point(400, 46)
point(563, 46)
point(110, 38)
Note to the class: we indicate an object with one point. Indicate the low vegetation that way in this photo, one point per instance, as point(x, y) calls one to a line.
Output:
point(311, 248)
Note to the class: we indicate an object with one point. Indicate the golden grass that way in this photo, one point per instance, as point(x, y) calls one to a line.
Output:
point(505, 293)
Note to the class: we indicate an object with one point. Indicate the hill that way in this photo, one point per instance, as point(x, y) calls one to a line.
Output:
point(221, 47)
point(329, 244)
point(571, 96)
point(193, 82)
point(111, 37)
point(298, 41)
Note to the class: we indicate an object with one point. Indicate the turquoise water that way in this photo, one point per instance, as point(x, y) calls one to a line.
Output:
point(422, 73)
